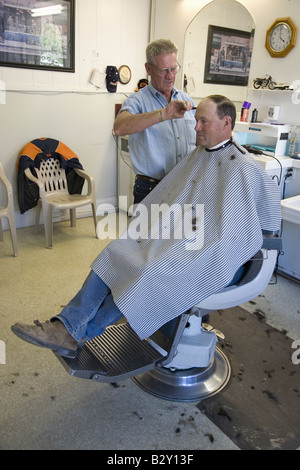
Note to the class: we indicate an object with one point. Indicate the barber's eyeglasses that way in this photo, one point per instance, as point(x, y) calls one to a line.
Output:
point(163, 72)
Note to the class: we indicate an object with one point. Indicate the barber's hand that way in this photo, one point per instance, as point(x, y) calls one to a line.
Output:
point(176, 109)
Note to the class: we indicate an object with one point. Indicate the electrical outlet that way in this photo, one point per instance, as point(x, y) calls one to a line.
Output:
point(290, 175)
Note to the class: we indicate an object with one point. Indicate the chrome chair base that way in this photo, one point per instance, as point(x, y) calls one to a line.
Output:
point(193, 384)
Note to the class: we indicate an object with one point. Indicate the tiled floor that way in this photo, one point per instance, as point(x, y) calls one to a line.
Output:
point(42, 407)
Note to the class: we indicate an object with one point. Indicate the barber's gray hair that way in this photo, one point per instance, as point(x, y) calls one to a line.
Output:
point(225, 107)
point(158, 47)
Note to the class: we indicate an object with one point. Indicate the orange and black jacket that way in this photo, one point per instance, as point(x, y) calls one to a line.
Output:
point(31, 156)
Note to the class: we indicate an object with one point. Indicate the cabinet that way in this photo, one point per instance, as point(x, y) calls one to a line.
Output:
point(126, 176)
point(272, 140)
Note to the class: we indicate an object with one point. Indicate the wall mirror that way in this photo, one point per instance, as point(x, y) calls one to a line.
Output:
point(202, 48)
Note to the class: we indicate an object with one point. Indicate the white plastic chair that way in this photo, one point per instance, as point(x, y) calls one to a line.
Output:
point(8, 211)
point(53, 194)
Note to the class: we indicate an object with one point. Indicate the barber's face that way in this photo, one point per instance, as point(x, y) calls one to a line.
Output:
point(161, 80)
point(211, 130)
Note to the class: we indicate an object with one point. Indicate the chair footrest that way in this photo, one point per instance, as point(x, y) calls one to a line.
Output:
point(115, 355)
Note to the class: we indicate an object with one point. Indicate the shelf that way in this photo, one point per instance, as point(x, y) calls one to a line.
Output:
point(271, 91)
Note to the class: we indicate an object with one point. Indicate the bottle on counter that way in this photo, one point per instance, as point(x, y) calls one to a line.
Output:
point(297, 145)
point(291, 142)
point(245, 111)
point(254, 115)
point(294, 142)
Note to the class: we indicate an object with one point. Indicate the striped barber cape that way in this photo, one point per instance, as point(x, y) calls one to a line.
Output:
point(156, 278)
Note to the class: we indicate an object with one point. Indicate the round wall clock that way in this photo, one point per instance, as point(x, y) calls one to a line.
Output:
point(281, 37)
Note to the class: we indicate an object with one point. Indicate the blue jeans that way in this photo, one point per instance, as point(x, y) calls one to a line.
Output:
point(91, 310)
point(141, 189)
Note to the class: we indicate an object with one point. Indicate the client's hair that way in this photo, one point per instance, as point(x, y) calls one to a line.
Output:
point(225, 107)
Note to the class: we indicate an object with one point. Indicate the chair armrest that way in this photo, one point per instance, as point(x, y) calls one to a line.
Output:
point(90, 179)
point(8, 188)
point(83, 174)
point(272, 241)
point(232, 296)
point(35, 180)
point(6, 182)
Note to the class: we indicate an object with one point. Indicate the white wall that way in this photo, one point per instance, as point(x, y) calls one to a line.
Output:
point(223, 13)
point(66, 106)
point(115, 32)
point(170, 18)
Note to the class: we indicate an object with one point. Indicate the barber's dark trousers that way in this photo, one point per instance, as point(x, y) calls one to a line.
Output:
point(141, 189)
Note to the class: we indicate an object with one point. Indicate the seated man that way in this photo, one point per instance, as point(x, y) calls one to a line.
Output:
point(151, 279)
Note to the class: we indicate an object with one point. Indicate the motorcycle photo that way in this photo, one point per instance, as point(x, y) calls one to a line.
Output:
point(264, 82)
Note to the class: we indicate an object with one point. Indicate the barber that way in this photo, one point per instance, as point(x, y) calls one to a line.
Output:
point(158, 119)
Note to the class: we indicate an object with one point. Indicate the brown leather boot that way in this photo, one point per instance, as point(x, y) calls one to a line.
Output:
point(52, 335)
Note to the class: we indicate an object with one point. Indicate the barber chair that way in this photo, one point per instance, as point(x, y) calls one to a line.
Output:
point(181, 361)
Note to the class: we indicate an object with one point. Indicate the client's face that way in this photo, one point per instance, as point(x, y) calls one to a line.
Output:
point(211, 130)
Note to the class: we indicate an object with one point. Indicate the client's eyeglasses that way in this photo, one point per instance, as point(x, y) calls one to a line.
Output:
point(163, 72)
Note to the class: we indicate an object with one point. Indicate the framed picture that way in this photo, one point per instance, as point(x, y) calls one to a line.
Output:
point(37, 34)
point(228, 56)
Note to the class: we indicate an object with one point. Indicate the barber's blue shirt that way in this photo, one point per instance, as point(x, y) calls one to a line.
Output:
point(156, 150)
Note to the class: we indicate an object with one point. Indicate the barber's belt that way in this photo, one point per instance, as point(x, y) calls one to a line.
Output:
point(146, 178)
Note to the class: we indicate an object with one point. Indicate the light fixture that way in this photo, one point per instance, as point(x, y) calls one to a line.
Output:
point(46, 11)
